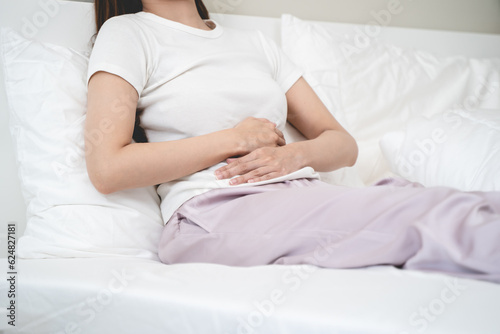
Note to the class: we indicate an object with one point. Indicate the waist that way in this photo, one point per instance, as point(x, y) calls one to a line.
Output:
point(175, 193)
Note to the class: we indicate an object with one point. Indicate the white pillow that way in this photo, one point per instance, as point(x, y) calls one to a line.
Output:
point(66, 216)
point(459, 148)
point(378, 88)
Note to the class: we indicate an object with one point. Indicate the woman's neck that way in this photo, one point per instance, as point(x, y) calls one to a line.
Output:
point(182, 11)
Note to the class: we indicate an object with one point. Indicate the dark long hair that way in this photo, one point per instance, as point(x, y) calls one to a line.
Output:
point(106, 9)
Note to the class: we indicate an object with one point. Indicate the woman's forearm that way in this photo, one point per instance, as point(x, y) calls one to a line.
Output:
point(144, 164)
point(329, 151)
point(329, 146)
point(117, 167)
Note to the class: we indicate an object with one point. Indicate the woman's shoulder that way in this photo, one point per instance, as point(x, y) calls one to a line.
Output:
point(121, 22)
point(122, 30)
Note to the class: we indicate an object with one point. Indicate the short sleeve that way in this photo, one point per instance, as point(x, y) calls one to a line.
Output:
point(285, 72)
point(120, 49)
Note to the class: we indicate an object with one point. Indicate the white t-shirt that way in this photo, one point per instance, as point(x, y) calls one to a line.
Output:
point(193, 82)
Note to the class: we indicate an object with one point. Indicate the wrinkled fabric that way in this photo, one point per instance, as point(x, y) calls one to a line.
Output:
point(304, 221)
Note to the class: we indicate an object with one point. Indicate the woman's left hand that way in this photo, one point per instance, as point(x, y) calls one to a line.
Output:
point(262, 164)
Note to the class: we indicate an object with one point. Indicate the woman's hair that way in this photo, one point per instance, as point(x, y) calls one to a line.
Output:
point(106, 9)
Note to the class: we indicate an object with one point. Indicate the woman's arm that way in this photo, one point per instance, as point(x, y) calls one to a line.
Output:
point(329, 145)
point(114, 163)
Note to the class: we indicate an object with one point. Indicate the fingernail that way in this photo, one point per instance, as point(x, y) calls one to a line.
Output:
point(217, 175)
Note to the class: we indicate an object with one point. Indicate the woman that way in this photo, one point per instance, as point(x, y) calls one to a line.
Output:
point(213, 103)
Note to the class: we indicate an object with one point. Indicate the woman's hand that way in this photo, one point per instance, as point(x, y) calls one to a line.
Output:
point(262, 164)
point(254, 133)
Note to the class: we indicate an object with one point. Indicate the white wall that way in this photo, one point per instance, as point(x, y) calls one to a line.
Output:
point(460, 15)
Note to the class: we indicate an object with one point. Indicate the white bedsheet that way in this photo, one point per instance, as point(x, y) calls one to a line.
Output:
point(128, 295)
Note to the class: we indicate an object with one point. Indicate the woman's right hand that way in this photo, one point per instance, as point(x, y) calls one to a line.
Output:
point(254, 133)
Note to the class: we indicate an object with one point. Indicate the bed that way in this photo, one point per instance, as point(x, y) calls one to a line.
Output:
point(422, 104)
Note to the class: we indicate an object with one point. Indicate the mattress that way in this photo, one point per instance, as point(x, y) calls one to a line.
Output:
point(130, 295)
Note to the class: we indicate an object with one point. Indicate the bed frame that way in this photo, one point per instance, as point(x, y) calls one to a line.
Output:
point(166, 299)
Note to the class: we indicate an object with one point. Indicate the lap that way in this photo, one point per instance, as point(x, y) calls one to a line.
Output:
point(281, 223)
point(315, 205)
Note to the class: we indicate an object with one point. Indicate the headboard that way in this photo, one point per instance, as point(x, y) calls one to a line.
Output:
point(70, 24)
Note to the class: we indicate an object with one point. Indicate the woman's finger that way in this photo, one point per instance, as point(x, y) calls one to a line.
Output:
point(281, 137)
point(237, 166)
point(262, 173)
point(261, 164)
point(246, 164)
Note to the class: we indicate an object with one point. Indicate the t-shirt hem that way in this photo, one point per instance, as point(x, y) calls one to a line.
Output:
point(173, 201)
point(291, 80)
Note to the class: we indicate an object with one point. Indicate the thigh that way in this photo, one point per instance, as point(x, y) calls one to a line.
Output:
point(266, 224)
point(306, 221)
